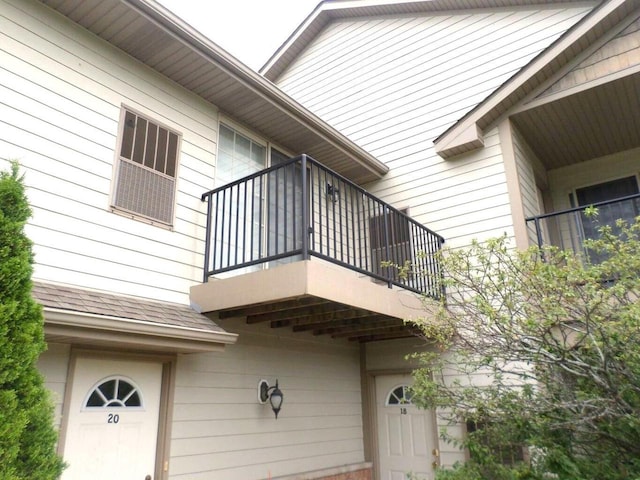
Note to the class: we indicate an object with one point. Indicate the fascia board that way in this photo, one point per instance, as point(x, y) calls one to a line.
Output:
point(258, 84)
point(108, 327)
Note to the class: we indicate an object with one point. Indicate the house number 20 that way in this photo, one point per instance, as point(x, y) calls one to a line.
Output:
point(113, 418)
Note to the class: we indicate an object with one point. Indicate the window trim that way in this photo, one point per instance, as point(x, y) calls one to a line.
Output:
point(122, 211)
point(269, 149)
point(402, 402)
point(99, 383)
point(572, 195)
point(242, 130)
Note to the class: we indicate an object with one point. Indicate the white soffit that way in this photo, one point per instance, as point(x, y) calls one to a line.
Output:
point(156, 37)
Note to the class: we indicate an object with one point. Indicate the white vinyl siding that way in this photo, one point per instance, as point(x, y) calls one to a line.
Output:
point(62, 89)
point(220, 430)
point(393, 84)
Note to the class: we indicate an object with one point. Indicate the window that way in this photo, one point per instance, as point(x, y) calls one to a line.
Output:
point(399, 396)
point(261, 217)
point(398, 250)
point(114, 392)
point(607, 214)
point(238, 156)
point(602, 192)
point(501, 440)
point(239, 232)
point(146, 172)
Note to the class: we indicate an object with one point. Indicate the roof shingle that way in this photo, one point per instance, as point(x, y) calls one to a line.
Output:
point(99, 303)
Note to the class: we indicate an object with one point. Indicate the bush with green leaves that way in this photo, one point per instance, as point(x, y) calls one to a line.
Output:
point(27, 436)
point(542, 348)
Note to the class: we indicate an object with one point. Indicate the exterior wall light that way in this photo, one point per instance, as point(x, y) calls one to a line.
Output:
point(273, 394)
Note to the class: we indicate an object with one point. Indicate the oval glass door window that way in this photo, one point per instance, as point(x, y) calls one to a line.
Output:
point(114, 392)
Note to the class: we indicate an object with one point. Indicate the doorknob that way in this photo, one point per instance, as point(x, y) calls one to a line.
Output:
point(148, 477)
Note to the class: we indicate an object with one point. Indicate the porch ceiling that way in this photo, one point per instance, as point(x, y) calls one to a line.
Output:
point(311, 297)
point(588, 124)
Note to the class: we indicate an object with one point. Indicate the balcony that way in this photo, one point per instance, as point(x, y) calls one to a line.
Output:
point(298, 245)
point(569, 229)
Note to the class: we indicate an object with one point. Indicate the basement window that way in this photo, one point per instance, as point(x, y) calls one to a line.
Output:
point(145, 180)
point(492, 436)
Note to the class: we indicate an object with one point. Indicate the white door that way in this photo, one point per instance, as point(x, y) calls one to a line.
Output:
point(406, 434)
point(113, 420)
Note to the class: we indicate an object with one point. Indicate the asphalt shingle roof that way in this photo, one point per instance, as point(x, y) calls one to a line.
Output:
point(99, 303)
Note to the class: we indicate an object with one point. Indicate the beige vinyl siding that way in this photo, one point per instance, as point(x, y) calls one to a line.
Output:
point(527, 165)
point(393, 84)
point(62, 90)
point(221, 431)
point(53, 365)
point(460, 199)
point(618, 54)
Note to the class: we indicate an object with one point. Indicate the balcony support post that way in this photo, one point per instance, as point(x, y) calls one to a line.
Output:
point(387, 241)
point(306, 228)
point(207, 243)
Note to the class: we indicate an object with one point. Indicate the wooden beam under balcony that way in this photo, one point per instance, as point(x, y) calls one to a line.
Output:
point(312, 297)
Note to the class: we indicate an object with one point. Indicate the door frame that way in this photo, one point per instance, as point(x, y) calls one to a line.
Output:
point(165, 413)
point(370, 417)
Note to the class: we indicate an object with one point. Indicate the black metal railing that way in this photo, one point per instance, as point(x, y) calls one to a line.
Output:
point(568, 229)
point(300, 209)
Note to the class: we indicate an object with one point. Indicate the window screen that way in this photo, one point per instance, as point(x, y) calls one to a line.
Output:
point(146, 174)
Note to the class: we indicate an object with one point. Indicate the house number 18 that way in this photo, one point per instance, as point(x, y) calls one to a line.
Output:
point(403, 411)
point(113, 418)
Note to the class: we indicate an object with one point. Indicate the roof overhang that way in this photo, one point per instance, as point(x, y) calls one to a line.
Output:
point(153, 35)
point(64, 326)
point(595, 121)
point(87, 317)
point(467, 133)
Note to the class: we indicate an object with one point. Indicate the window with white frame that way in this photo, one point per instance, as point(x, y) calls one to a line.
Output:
point(145, 181)
point(259, 217)
point(238, 156)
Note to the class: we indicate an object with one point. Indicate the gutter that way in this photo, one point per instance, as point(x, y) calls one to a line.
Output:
point(180, 30)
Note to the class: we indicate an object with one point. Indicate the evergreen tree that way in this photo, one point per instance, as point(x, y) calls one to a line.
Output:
point(27, 435)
